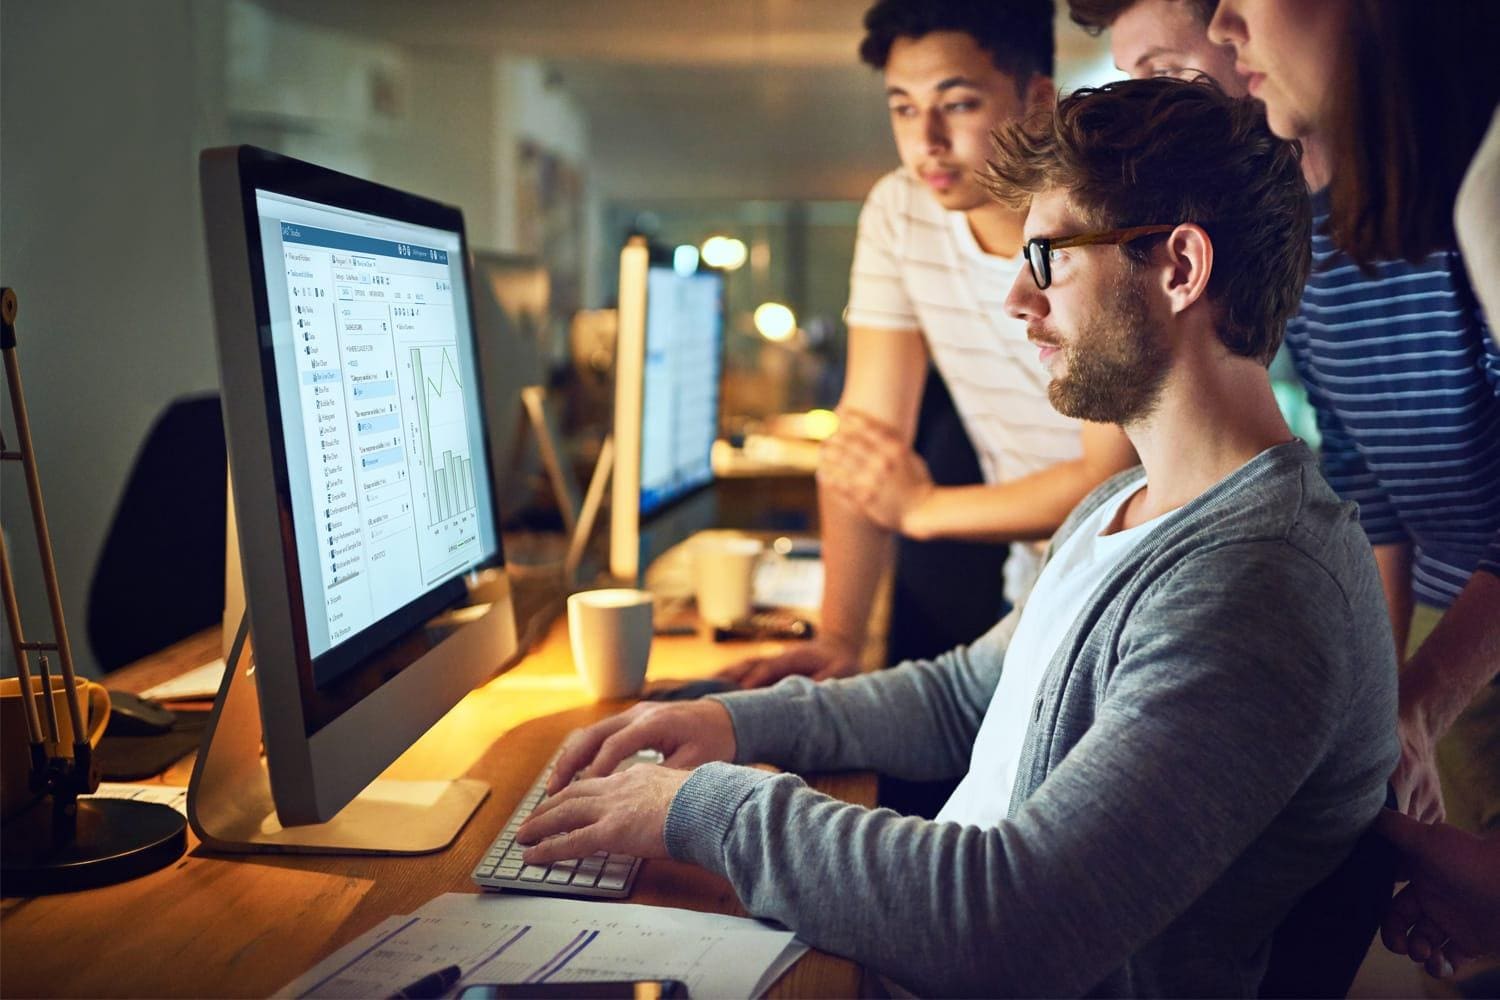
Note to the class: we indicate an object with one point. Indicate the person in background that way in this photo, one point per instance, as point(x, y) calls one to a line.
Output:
point(1150, 38)
point(1403, 114)
point(1377, 346)
point(934, 255)
point(1120, 828)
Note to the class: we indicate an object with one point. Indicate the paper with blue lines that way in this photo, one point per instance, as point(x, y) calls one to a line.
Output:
point(507, 938)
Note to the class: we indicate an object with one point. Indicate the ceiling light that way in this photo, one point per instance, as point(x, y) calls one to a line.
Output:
point(724, 252)
point(775, 321)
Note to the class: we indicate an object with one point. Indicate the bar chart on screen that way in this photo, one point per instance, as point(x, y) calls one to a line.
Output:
point(445, 448)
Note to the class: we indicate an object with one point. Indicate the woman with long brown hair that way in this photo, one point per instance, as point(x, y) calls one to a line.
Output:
point(1400, 96)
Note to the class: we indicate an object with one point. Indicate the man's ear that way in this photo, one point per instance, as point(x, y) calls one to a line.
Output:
point(1040, 95)
point(1190, 254)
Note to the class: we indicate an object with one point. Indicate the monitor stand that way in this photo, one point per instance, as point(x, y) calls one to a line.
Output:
point(231, 809)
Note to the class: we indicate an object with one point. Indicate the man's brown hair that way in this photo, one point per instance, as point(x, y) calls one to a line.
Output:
point(1097, 16)
point(1164, 151)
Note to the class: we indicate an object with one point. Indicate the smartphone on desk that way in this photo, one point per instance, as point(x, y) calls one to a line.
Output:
point(771, 625)
point(621, 989)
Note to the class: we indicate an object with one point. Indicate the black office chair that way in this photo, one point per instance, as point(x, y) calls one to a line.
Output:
point(160, 575)
point(1317, 950)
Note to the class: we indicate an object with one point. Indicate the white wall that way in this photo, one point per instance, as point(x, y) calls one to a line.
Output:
point(102, 111)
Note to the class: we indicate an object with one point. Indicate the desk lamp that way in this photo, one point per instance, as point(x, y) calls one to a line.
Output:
point(75, 843)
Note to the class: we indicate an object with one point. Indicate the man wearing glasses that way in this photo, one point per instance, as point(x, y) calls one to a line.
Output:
point(1191, 719)
point(934, 256)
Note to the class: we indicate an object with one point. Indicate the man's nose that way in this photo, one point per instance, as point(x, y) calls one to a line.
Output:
point(936, 131)
point(1025, 301)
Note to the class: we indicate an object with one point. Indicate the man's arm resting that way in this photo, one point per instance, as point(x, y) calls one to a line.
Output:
point(884, 376)
point(1025, 509)
point(1460, 657)
point(1394, 562)
point(871, 466)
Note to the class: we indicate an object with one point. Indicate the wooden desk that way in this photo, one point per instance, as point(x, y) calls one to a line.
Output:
point(246, 925)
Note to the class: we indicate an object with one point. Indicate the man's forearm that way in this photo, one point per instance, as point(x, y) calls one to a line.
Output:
point(1031, 508)
point(1459, 658)
point(1394, 562)
point(1028, 508)
point(856, 555)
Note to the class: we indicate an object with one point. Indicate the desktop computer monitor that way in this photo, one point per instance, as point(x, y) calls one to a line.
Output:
point(360, 472)
point(668, 368)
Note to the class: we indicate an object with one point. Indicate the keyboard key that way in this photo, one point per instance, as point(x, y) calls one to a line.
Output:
point(503, 866)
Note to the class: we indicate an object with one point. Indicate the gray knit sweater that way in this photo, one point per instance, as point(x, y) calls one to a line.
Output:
point(1213, 734)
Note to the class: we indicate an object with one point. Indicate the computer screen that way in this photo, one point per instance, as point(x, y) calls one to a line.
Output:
point(680, 392)
point(669, 359)
point(362, 487)
point(381, 425)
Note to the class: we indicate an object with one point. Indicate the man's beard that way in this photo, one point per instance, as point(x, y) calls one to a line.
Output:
point(1115, 368)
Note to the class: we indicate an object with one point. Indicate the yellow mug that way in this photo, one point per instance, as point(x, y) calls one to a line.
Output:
point(15, 749)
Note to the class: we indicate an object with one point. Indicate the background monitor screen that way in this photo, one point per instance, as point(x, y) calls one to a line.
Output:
point(684, 359)
point(380, 418)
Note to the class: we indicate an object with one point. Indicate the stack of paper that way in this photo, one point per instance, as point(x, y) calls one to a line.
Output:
point(504, 938)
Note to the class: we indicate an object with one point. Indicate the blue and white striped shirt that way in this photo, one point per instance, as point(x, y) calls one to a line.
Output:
point(1405, 380)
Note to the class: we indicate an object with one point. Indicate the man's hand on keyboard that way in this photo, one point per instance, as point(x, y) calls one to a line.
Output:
point(625, 813)
point(824, 658)
point(685, 733)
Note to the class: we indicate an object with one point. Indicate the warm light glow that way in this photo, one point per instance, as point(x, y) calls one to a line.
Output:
point(685, 259)
point(724, 252)
point(775, 321)
point(820, 424)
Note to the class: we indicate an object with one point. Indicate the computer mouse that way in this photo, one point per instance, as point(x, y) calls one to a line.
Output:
point(132, 715)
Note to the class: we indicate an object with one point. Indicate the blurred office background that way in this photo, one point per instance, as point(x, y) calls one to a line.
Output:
point(559, 127)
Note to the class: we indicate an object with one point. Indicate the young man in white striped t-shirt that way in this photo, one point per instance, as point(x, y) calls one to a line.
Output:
point(934, 259)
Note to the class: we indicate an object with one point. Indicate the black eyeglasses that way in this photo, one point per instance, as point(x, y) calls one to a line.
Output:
point(1039, 250)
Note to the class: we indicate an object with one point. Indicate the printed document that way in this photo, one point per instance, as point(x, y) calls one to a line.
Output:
point(511, 938)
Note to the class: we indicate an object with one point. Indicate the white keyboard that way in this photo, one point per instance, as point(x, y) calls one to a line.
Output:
point(603, 876)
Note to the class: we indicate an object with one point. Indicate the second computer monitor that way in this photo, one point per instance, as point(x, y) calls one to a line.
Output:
point(668, 370)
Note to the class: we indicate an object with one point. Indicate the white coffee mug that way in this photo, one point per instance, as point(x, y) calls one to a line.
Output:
point(610, 632)
point(724, 569)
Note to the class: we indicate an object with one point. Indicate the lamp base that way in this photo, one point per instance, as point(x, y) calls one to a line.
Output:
point(113, 840)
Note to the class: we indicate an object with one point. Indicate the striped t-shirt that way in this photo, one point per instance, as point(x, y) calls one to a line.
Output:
point(1405, 380)
point(918, 266)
